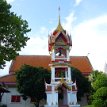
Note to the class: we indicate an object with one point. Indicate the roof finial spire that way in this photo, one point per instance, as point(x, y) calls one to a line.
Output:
point(59, 27)
point(59, 14)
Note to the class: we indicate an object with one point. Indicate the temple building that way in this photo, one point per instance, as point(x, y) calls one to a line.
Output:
point(59, 63)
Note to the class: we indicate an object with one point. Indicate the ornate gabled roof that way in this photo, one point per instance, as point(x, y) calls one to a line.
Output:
point(59, 31)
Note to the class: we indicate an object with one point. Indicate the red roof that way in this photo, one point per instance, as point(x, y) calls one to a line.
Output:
point(80, 62)
point(9, 80)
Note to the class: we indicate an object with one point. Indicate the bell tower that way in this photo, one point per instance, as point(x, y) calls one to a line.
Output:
point(59, 46)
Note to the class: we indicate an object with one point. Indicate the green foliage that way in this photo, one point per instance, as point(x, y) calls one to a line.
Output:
point(82, 82)
point(98, 103)
point(99, 85)
point(101, 81)
point(31, 81)
point(101, 93)
point(100, 97)
point(93, 75)
point(13, 30)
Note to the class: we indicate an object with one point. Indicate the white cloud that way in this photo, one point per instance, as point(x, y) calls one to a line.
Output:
point(37, 45)
point(90, 37)
point(10, 1)
point(69, 22)
point(5, 70)
point(77, 2)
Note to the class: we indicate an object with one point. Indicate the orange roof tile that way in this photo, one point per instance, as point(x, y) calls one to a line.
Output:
point(80, 62)
point(8, 78)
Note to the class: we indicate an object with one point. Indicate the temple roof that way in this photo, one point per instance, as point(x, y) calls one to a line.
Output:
point(59, 32)
point(9, 79)
point(80, 62)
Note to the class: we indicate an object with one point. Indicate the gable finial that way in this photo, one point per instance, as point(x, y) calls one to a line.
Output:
point(59, 15)
point(59, 27)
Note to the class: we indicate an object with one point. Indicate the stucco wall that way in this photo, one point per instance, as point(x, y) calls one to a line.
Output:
point(6, 99)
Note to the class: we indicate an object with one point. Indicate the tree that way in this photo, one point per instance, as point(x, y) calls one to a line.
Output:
point(31, 82)
point(99, 92)
point(93, 75)
point(82, 82)
point(13, 30)
point(100, 97)
point(101, 81)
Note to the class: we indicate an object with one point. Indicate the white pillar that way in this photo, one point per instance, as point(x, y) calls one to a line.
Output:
point(53, 55)
point(68, 58)
point(69, 74)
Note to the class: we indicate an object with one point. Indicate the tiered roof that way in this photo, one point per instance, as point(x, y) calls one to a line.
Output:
point(59, 32)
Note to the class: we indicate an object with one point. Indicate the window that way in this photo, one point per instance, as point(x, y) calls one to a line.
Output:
point(15, 98)
point(60, 72)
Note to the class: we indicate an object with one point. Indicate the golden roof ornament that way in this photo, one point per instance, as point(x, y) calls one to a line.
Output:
point(59, 27)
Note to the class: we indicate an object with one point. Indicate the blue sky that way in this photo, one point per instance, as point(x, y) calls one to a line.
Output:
point(85, 20)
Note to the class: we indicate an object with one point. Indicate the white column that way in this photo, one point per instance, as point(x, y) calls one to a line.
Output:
point(68, 58)
point(53, 55)
point(69, 74)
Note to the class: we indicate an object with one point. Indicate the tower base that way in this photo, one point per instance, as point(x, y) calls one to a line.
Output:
point(77, 105)
point(50, 105)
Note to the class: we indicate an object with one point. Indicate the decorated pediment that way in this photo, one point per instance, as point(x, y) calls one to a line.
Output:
point(60, 41)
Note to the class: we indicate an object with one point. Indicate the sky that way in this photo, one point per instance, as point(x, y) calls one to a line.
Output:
point(85, 20)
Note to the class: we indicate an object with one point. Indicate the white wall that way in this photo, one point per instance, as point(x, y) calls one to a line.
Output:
point(6, 99)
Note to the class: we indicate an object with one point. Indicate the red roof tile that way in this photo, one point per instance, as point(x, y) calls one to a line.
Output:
point(8, 79)
point(80, 62)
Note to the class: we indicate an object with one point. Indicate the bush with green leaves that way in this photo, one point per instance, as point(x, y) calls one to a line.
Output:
point(99, 92)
